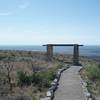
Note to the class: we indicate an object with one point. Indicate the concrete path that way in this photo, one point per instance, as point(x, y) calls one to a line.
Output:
point(70, 85)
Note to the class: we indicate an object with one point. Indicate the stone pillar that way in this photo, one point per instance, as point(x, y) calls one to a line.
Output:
point(49, 51)
point(76, 55)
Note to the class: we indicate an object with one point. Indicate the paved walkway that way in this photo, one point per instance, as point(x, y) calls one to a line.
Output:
point(69, 85)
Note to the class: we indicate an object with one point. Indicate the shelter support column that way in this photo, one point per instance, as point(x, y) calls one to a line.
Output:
point(49, 51)
point(76, 55)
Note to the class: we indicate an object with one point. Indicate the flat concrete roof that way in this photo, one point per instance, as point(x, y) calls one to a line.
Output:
point(62, 45)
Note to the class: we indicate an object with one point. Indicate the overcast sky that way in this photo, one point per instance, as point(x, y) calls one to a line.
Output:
point(36, 22)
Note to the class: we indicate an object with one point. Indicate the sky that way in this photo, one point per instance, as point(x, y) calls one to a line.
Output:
point(37, 22)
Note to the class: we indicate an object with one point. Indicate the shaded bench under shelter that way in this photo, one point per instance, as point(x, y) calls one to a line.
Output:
point(75, 51)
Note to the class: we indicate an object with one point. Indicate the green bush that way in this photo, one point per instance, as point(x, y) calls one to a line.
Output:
point(2, 57)
point(23, 79)
point(40, 79)
point(93, 72)
point(59, 66)
point(99, 66)
point(89, 86)
point(50, 75)
point(36, 78)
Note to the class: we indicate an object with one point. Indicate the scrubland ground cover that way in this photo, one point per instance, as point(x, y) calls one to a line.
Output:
point(26, 73)
point(91, 74)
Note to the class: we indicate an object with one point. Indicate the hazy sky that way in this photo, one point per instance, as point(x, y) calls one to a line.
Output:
point(32, 22)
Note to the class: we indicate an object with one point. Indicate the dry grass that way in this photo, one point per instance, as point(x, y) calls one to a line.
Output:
point(27, 62)
point(91, 73)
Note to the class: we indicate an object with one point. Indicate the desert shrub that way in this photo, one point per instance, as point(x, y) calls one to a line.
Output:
point(93, 72)
point(36, 68)
point(23, 79)
point(59, 66)
point(43, 79)
point(89, 85)
point(99, 66)
point(40, 79)
point(36, 78)
point(46, 83)
point(15, 98)
point(2, 57)
point(50, 75)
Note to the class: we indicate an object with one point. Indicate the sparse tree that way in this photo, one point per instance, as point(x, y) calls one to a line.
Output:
point(9, 67)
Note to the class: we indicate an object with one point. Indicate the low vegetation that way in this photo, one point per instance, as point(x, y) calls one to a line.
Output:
point(26, 74)
point(41, 79)
point(91, 73)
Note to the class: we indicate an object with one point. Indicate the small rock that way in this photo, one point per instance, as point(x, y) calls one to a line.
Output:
point(48, 94)
point(52, 88)
point(42, 99)
point(59, 71)
point(55, 80)
point(90, 99)
point(88, 94)
point(47, 98)
point(53, 83)
point(85, 84)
